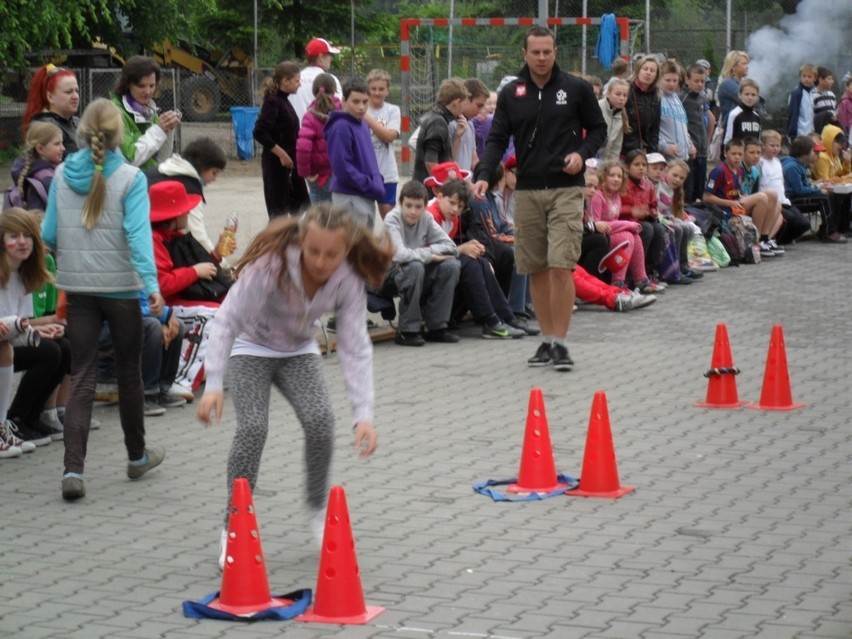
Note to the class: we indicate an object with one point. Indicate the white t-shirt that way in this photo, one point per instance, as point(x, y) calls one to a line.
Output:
point(14, 300)
point(772, 177)
point(467, 145)
point(388, 116)
point(302, 98)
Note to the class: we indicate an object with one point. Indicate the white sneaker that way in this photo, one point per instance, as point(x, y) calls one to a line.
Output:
point(9, 434)
point(223, 548)
point(640, 300)
point(7, 449)
point(182, 390)
point(316, 524)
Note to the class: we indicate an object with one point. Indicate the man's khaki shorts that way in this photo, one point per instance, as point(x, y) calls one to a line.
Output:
point(548, 228)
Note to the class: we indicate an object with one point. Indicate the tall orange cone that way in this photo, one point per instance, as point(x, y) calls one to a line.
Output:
point(722, 387)
point(245, 588)
point(776, 393)
point(537, 473)
point(339, 597)
point(599, 477)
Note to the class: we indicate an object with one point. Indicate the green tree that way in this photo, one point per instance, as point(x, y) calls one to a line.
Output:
point(27, 26)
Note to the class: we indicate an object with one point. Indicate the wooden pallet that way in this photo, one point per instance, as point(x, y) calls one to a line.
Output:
point(382, 333)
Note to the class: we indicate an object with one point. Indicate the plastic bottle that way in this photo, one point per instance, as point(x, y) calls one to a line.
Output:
point(228, 239)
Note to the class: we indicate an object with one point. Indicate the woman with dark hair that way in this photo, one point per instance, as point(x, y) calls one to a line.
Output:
point(148, 134)
point(54, 97)
point(277, 130)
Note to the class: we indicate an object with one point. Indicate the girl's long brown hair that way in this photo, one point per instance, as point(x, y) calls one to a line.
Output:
point(33, 270)
point(369, 256)
point(678, 195)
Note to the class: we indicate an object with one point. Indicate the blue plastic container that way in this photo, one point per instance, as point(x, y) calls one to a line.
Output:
point(243, 119)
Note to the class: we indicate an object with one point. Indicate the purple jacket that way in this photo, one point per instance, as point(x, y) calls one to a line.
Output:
point(354, 168)
point(311, 148)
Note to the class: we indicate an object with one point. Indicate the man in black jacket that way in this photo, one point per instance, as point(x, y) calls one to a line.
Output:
point(547, 112)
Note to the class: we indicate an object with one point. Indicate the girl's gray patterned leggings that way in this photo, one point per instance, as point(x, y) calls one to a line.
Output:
point(300, 379)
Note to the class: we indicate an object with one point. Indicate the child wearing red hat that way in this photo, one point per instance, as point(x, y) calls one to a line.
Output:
point(319, 53)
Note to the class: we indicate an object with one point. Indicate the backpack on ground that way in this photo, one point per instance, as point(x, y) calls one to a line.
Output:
point(745, 232)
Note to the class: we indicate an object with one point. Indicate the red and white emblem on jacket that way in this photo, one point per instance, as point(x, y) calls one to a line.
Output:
point(520, 90)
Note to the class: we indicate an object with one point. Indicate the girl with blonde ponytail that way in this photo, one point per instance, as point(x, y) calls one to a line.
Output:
point(32, 173)
point(97, 222)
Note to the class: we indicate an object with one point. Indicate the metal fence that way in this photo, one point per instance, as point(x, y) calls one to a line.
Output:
point(685, 30)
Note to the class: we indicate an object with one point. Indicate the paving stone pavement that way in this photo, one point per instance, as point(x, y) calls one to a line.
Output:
point(739, 526)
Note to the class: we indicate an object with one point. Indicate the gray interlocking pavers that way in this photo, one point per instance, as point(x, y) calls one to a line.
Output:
point(739, 526)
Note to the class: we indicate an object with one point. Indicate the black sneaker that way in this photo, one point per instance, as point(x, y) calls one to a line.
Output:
point(561, 360)
point(409, 339)
point(31, 433)
point(441, 335)
point(542, 356)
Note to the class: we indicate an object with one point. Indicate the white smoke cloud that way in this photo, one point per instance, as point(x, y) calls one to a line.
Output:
point(819, 33)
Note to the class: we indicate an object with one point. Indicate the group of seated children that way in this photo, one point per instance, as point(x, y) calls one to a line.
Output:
point(172, 366)
point(446, 263)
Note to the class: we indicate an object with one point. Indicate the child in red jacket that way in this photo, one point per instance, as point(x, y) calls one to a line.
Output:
point(639, 203)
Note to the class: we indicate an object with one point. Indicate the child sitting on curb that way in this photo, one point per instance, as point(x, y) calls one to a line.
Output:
point(424, 272)
point(477, 285)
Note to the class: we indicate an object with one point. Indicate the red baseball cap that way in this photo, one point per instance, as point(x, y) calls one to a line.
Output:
point(319, 46)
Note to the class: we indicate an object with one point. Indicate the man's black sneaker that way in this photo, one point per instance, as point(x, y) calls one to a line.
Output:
point(542, 356)
point(441, 335)
point(561, 360)
point(409, 339)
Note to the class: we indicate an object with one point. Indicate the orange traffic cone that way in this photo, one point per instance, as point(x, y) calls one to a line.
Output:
point(599, 477)
point(776, 393)
point(722, 387)
point(537, 473)
point(339, 597)
point(245, 588)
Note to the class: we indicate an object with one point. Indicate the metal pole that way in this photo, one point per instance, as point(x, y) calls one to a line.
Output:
point(727, 26)
point(450, 40)
point(254, 61)
point(583, 58)
point(542, 12)
point(647, 26)
point(352, 37)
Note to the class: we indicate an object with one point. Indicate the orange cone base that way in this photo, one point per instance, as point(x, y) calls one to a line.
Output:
point(370, 613)
point(789, 407)
point(739, 404)
point(517, 488)
point(274, 602)
point(614, 494)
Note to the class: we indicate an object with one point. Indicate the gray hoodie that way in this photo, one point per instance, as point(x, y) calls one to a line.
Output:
point(417, 242)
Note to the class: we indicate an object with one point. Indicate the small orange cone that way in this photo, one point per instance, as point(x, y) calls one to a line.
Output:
point(776, 393)
point(599, 477)
point(537, 473)
point(722, 387)
point(245, 588)
point(339, 597)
